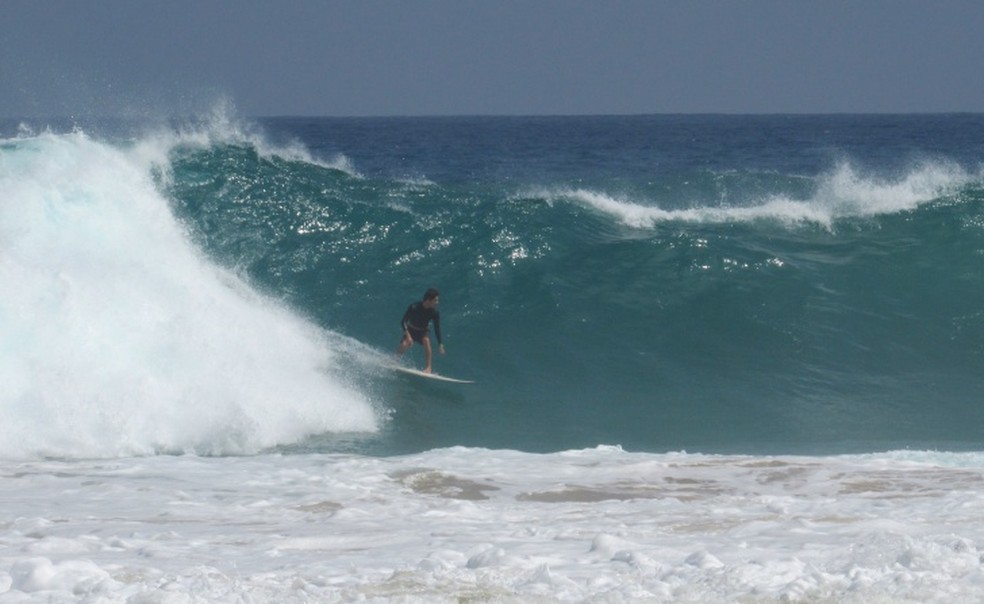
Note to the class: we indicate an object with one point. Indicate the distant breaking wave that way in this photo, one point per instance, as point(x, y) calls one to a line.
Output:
point(840, 194)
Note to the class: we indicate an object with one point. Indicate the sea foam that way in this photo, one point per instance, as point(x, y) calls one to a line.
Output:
point(117, 337)
point(461, 524)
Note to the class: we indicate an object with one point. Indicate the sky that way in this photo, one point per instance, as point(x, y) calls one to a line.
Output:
point(490, 57)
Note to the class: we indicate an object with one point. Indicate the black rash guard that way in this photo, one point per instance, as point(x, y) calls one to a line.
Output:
point(418, 317)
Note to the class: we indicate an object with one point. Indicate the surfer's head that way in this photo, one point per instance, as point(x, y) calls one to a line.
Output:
point(431, 295)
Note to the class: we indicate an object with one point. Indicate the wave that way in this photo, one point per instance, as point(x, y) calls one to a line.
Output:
point(842, 193)
point(117, 337)
point(186, 289)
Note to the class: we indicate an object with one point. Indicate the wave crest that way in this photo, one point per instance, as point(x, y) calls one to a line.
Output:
point(843, 193)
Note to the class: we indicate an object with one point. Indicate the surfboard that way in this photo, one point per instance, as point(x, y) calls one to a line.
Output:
point(429, 376)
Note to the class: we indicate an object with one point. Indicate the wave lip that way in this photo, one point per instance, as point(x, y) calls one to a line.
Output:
point(840, 194)
point(118, 338)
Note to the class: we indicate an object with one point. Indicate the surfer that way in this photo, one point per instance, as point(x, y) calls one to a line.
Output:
point(415, 323)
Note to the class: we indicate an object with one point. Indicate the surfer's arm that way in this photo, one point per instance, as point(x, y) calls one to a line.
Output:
point(437, 331)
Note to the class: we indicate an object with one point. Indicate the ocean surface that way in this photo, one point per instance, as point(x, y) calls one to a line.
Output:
point(717, 358)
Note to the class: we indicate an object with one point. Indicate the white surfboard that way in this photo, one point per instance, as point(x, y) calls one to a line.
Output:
point(430, 376)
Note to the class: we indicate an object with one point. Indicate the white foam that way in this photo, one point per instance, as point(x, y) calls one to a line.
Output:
point(842, 193)
point(118, 338)
point(470, 524)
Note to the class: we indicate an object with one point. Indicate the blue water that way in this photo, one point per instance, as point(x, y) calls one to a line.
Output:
point(750, 284)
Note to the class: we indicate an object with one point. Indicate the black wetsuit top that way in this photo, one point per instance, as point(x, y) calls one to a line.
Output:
point(418, 317)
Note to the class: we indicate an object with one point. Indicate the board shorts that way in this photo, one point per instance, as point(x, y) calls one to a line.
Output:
point(418, 334)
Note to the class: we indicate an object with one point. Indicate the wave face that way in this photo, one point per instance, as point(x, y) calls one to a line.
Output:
point(712, 283)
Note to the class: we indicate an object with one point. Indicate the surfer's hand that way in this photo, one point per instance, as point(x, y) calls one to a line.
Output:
point(440, 348)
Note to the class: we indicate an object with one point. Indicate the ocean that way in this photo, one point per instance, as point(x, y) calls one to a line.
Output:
point(718, 358)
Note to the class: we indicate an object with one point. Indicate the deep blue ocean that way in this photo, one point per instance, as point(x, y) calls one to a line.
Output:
point(741, 284)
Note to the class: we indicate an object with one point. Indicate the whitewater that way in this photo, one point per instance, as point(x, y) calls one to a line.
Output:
point(109, 307)
point(196, 407)
point(479, 525)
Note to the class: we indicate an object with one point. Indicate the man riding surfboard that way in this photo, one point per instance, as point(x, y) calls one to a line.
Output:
point(415, 325)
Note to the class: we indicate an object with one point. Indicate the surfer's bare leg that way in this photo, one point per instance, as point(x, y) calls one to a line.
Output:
point(405, 343)
point(426, 341)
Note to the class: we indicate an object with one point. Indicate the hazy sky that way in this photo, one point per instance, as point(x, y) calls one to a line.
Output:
point(443, 57)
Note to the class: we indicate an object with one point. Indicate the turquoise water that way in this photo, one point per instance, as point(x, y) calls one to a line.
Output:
point(703, 283)
point(748, 284)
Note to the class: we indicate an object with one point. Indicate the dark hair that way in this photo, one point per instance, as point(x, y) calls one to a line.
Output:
point(431, 294)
